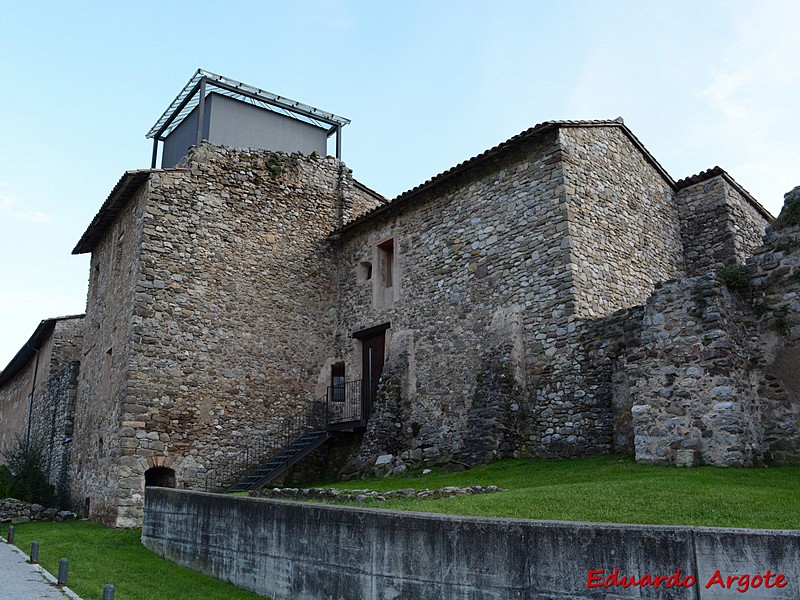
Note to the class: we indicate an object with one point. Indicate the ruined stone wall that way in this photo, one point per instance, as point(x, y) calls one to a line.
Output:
point(481, 271)
point(774, 300)
point(715, 378)
point(623, 220)
point(693, 398)
point(56, 428)
point(99, 456)
point(719, 225)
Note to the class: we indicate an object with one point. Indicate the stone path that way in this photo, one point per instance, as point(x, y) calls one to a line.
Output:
point(20, 580)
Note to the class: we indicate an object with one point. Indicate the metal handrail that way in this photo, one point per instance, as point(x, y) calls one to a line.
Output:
point(261, 449)
point(340, 405)
point(344, 402)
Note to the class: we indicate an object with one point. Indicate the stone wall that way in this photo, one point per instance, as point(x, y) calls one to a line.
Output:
point(52, 406)
point(624, 229)
point(720, 223)
point(505, 275)
point(714, 379)
point(14, 409)
point(774, 298)
point(693, 399)
point(479, 266)
point(692, 377)
point(16, 511)
point(54, 411)
point(225, 318)
point(98, 452)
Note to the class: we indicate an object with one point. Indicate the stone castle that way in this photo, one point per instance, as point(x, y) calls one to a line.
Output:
point(557, 295)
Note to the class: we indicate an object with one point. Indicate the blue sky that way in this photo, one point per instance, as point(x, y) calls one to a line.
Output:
point(426, 85)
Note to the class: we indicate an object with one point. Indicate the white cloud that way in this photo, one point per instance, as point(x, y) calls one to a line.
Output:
point(749, 122)
point(759, 72)
point(9, 207)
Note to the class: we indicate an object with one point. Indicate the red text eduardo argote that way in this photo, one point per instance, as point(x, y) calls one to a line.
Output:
point(741, 582)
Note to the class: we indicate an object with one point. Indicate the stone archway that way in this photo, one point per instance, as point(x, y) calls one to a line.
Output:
point(160, 477)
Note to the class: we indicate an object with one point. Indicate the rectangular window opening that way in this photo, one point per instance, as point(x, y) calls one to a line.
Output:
point(337, 382)
point(386, 257)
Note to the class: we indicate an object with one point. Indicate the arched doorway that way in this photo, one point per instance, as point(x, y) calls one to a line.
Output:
point(159, 477)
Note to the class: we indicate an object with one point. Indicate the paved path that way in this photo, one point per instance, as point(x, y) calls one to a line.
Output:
point(22, 581)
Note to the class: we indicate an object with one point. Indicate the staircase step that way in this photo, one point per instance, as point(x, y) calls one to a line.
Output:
point(270, 469)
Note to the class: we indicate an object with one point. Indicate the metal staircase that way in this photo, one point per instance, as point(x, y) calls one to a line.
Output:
point(292, 454)
point(341, 411)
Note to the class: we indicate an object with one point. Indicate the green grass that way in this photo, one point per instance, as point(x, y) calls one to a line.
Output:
point(612, 489)
point(99, 555)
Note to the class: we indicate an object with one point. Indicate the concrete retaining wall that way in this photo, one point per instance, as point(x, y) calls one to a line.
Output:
point(298, 551)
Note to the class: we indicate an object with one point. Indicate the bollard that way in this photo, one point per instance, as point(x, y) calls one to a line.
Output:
point(108, 592)
point(10, 538)
point(62, 572)
point(34, 559)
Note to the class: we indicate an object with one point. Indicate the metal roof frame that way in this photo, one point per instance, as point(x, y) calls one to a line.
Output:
point(193, 95)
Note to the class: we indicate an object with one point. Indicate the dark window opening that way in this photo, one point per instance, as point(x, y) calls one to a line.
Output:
point(118, 250)
point(364, 272)
point(159, 477)
point(337, 382)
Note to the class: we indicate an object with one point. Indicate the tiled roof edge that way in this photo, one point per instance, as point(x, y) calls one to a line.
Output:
point(720, 172)
point(23, 357)
point(475, 160)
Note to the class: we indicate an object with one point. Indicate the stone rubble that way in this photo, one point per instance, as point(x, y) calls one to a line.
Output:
point(17, 511)
point(365, 496)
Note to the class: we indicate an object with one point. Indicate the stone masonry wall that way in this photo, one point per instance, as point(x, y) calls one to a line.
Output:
point(693, 398)
point(230, 315)
point(54, 410)
point(56, 427)
point(715, 379)
point(719, 225)
point(479, 266)
point(533, 365)
point(623, 236)
point(98, 452)
point(14, 409)
point(623, 220)
point(52, 405)
point(774, 299)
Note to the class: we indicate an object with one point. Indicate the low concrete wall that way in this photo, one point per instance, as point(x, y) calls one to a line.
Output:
point(290, 550)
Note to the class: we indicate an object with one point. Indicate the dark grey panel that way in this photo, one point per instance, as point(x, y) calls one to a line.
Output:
point(242, 125)
point(229, 122)
point(177, 144)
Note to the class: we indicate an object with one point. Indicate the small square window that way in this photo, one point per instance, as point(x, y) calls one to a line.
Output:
point(364, 272)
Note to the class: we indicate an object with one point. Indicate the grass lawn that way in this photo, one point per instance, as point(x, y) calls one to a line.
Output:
point(612, 489)
point(99, 555)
